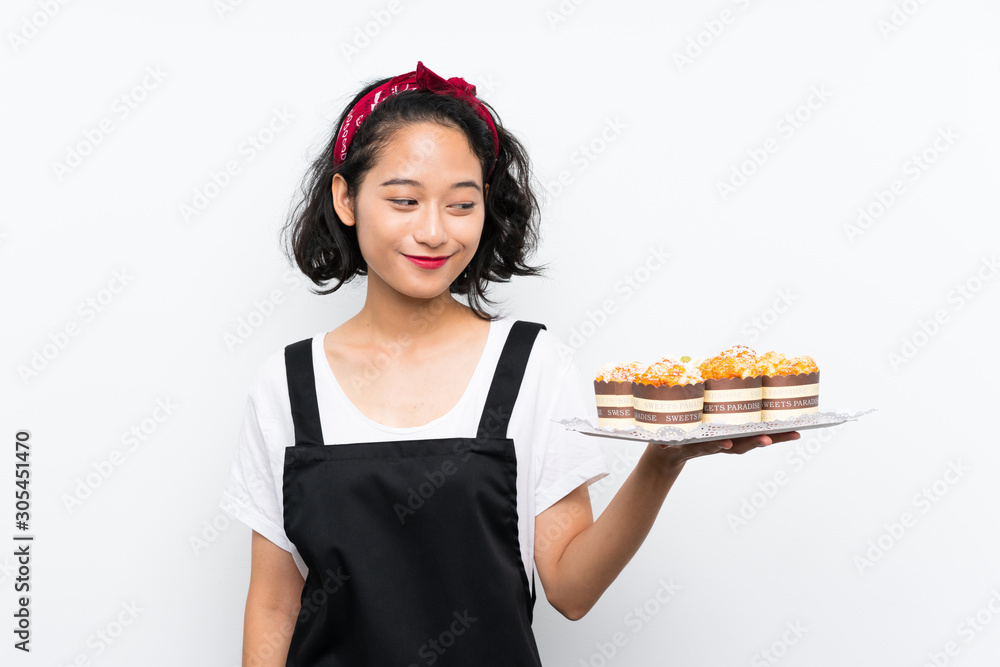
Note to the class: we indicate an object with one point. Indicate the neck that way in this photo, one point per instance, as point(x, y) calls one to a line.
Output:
point(389, 315)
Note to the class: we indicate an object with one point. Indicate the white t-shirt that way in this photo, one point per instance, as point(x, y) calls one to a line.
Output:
point(551, 460)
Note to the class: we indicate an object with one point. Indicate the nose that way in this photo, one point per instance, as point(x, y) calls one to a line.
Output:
point(429, 229)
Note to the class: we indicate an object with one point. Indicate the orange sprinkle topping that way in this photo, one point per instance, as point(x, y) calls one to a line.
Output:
point(623, 372)
point(804, 364)
point(668, 372)
point(775, 363)
point(738, 361)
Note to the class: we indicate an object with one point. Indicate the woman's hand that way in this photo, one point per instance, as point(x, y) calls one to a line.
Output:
point(673, 456)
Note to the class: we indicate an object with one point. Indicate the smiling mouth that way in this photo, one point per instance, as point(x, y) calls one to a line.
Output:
point(426, 262)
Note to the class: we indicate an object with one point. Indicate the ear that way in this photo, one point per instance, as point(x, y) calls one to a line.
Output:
point(342, 201)
point(486, 190)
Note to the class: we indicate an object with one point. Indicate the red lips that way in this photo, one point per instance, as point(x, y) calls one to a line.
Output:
point(425, 262)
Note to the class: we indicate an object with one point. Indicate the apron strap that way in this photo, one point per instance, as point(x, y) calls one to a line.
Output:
point(302, 393)
point(499, 401)
point(507, 379)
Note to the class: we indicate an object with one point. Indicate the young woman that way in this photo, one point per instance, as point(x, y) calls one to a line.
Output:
point(402, 473)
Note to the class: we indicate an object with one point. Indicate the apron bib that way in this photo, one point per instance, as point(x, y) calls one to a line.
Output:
point(412, 546)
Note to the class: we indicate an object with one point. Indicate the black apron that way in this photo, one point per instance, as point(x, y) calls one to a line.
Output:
point(412, 546)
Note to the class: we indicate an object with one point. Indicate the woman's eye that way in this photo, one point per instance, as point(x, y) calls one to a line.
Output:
point(413, 202)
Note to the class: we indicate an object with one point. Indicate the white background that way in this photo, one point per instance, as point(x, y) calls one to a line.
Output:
point(771, 265)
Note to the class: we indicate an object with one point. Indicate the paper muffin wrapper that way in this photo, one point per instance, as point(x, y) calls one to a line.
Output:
point(614, 404)
point(785, 396)
point(733, 400)
point(679, 406)
point(732, 417)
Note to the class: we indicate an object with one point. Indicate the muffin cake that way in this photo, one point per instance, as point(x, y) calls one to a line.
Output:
point(668, 393)
point(613, 390)
point(733, 387)
point(790, 387)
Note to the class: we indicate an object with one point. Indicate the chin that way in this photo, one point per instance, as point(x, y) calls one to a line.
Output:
point(425, 290)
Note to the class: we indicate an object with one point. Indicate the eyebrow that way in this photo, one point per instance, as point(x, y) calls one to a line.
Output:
point(410, 181)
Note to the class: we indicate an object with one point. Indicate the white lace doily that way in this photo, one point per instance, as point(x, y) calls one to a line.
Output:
point(675, 436)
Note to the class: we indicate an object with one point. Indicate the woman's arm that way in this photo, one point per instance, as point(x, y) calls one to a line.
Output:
point(577, 558)
point(273, 602)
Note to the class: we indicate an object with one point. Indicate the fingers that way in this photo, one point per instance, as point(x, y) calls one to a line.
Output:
point(695, 449)
point(744, 445)
point(768, 439)
point(735, 445)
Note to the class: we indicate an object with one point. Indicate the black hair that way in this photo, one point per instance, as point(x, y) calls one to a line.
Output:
point(326, 250)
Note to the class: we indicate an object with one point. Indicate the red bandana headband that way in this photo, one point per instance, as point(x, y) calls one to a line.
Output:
point(421, 78)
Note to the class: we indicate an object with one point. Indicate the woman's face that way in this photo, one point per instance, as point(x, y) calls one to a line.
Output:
point(419, 211)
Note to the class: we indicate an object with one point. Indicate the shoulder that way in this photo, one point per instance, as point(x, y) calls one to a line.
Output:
point(550, 359)
point(550, 350)
point(268, 372)
point(269, 383)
